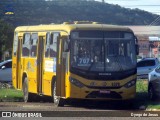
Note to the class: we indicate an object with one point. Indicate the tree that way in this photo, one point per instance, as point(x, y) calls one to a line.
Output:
point(6, 37)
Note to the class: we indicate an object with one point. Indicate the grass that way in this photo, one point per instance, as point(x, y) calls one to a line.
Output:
point(142, 96)
point(142, 85)
point(142, 90)
point(155, 105)
point(10, 95)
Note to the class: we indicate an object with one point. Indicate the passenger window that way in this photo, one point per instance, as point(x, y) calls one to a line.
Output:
point(53, 44)
point(34, 40)
point(47, 45)
point(26, 44)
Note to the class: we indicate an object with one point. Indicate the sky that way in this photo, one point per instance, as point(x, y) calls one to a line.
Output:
point(147, 5)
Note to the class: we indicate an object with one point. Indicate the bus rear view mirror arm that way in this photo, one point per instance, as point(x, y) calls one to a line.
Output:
point(137, 49)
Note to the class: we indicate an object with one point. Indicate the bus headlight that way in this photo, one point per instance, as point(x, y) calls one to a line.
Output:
point(76, 82)
point(130, 83)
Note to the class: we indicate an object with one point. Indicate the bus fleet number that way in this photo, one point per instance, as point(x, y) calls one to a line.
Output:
point(84, 61)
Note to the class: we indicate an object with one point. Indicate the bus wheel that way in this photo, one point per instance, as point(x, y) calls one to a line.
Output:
point(56, 99)
point(26, 95)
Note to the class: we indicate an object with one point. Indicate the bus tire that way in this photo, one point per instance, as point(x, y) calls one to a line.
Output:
point(27, 97)
point(60, 102)
point(130, 103)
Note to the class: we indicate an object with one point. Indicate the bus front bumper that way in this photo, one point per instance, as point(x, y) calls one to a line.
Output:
point(105, 94)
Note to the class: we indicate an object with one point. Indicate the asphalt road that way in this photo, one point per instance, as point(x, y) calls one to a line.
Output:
point(81, 109)
point(73, 105)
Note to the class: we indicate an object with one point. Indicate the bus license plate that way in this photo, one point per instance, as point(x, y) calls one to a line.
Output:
point(105, 91)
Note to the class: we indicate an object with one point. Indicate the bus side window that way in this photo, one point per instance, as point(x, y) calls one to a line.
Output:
point(15, 44)
point(26, 44)
point(48, 37)
point(53, 44)
point(34, 40)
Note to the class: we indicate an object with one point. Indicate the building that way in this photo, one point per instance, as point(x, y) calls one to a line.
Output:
point(148, 40)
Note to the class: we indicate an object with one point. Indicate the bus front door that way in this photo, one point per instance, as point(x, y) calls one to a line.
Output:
point(61, 69)
point(40, 60)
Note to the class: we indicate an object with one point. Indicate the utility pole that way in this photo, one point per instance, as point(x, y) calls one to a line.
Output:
point(155, 21)
point(103, 1)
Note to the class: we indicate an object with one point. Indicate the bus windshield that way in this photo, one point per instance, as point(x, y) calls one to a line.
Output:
point(103, 54)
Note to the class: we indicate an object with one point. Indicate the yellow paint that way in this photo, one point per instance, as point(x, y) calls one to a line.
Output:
point(81, 93)
point(28, 65)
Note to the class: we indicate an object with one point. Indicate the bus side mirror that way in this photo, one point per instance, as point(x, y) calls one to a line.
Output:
point(137, 49)
point(137, 46)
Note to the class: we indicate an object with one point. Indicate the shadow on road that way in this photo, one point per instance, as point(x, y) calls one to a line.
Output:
point(142, 99)
point(104, 105)
point(141, 102)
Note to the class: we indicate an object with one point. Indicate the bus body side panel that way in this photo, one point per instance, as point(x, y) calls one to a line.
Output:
point(31, 68)
point(14, 80)
point(67, 82)
point(48, 63)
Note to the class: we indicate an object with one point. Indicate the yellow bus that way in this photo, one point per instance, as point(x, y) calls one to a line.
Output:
point(75, 60)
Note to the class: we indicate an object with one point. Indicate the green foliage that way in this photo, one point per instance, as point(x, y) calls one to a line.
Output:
point(31, 12)
point(6, 37)
point(142, 96)
point(11, 95)
point(142, 85)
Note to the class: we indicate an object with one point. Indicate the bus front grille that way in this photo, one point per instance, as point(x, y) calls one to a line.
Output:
point(97, 94)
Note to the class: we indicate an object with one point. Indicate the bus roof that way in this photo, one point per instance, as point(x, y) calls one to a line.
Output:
point(70, 27)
